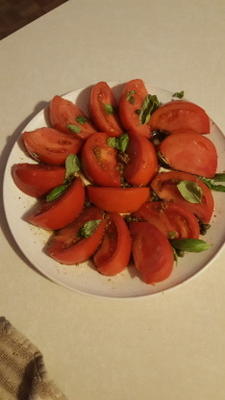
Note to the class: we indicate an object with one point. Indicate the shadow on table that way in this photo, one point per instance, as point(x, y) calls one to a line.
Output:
point(10, 141)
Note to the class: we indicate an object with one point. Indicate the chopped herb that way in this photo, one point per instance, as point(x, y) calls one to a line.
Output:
point(190, 245)
point(132, 218)
point(172, 235)
point(212, 183)
point(130, 96)
point(81, 119)
point(109, 108)
point(203, 227)
point(154, 196)
point(120, 143)
point(162, 160)
point(72, 165)
point(89, 228)
point(150, 104)
point(57, 192)
point(74, 128)
point(179, 95)
point(138, 111)
point(190, 191)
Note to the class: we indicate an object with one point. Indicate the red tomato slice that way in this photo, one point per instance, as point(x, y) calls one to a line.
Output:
point(50, 146)
point(131, 100)
point(121, 200)
point(114, 254)
point(190, 152)
point(165, 185)
point(99, 161)
point(61, 212)
point(102, 109)
point(143, 164)
point(170, 218)
point(152, 252)
point(63, 113)
point(67, 247)
point(180, 114)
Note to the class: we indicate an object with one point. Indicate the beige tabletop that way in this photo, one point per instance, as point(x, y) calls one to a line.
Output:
point(167, 346)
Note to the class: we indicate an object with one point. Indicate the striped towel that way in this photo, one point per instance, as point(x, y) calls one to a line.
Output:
point(22, 371)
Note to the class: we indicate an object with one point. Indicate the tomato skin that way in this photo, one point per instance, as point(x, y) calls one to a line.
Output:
point(66, 247)
point(59, 213)
point(190, 152)
point(180, 114)
point(143, 164)
point(170, 217)
point(121, 200)
point(101, 94)
point(114, 253)
point(36, 179)
point(50, 146)
point(99, 161)
point(152, 252)
point(127, 110)
point(164, 184)
point(63, 112)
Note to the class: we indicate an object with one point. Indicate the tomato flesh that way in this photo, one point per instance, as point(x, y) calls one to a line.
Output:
point(67, 247)
point(121, 200)
point(37, 179)
point(165, 185)
point(152, 252)
point(190, 152)
point(131, 100)
point(180, 114)
point(59, 213)
point(64, 114)
point(99, 161)
point(103, 109)
point(114, 253)
point(50, 146)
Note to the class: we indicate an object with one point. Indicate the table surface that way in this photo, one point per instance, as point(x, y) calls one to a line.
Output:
point(166, 346)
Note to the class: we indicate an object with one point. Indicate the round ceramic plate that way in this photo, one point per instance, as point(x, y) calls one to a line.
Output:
point(84, 278)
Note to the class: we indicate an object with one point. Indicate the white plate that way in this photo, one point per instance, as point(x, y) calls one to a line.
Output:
point(84, 278)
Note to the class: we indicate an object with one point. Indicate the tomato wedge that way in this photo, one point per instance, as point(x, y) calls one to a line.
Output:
point(68, 117)
point(37, 179)
point(165, 185)
point(99, 161)
point(50, 146)
point(121, 200)
point(131, 100)
point(143, 164)
point(152, 252)
point(103, 109)
point(114, 253)
point(68, 247)
point(180, 114)
point(190, 152)
point(59, 213)
point(172, 219)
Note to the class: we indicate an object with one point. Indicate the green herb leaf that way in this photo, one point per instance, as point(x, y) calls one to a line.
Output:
point(74, 128)
point(109, 108)
point(211, 183)
point(57, 192)
point(72, 165)
point(120, 143)
point(162, 160)
point(150, 104)
point(89, 228)
point(81, 119)
point(190, 245)
point(130, 96)
point(190, 191)
point(179, 95)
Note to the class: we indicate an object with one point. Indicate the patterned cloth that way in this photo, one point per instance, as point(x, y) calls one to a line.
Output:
point(22, 370)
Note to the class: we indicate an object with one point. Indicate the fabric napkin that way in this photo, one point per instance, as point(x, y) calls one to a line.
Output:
point(22, 371)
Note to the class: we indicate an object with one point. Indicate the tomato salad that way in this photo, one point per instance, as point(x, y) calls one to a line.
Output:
point(132, 181)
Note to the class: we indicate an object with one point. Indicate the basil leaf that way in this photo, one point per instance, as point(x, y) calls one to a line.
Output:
point(179, 95)
point(74, 128)
point(57, 192)
point(211, 182)
point(81, 119)
point(120, 143)
point(219, 177)
point(130, 96)
point(150, 104)
point(89, 228)
point(109, 108)
point(190, 245)
point(72, 165)
point(190, 191)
